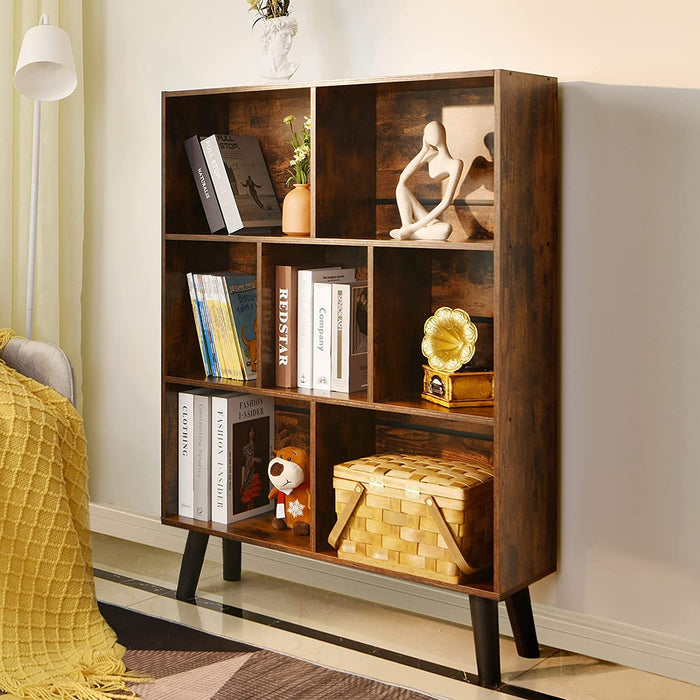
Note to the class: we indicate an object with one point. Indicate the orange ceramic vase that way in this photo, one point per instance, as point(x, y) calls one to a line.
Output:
point(296, 211)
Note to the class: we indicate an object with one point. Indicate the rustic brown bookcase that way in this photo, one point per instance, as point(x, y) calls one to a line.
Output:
point(364, 133)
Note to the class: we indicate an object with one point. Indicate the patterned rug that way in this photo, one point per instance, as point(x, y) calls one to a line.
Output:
point(189, 664)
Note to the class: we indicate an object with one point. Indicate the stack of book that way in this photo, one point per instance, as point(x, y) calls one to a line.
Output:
point(321, 329)
point(233, 183)
point(224, 306)
point(225, 443)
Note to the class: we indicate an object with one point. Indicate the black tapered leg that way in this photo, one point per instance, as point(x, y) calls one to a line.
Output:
point(232, 559)
point(519, 609)
point(485, 625)
point(191, 566)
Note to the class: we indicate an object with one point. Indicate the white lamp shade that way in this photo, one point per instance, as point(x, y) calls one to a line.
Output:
point(45, 68)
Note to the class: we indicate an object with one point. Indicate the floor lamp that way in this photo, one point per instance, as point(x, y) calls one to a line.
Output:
point(45, 72)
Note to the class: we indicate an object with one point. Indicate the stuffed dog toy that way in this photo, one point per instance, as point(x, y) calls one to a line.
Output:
point(289, 474)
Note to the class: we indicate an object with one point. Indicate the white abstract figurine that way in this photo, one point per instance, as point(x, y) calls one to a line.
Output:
point(416, 221)
point(276, 35)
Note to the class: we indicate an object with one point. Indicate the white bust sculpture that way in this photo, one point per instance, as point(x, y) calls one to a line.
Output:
point(276, 35)
point(416, 221)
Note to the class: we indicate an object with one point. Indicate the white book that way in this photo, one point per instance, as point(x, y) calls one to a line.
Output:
point(349, 344)
point(202, 456)
point(243, 432)
point(305, 293)
point(322, 336)
point(185, 454)
point(222, 184)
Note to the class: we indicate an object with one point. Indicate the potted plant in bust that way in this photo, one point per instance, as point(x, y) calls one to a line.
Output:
point(275, 28)
point(296, 207)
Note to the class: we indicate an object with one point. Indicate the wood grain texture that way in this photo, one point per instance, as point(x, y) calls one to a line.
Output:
point(403, 110)
point(340, 434)
point(397, 433)
point(262, 115)
point(401, 304)
point(182, 118)
point(526, 328)
point(345, 167)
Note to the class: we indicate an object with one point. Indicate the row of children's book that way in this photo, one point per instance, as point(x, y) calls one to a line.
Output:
point(225, 443)
point(321, 329)
point(225, 313)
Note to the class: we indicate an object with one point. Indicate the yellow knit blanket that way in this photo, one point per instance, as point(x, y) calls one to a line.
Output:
point(53, 641)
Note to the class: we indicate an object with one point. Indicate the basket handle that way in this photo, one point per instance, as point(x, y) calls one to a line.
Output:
point(447, 535)
point(345, 516)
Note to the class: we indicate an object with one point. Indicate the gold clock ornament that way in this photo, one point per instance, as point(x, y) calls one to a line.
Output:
point(449, 343)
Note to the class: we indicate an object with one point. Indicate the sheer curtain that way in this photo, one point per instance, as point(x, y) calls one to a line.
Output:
point(60, 228)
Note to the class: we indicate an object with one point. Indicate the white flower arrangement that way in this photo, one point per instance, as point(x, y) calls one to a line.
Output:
point(301, 145)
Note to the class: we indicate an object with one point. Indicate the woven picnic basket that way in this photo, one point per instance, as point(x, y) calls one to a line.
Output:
point(416, 514)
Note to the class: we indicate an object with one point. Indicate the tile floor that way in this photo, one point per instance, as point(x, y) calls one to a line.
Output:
point(356, 636)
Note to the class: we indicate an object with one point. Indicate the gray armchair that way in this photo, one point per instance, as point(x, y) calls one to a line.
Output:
point(44, 362)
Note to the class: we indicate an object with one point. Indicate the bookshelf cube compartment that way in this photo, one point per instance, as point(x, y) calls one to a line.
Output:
point(363, 433)
point(300, 254)
point(178, 324)
point(419, 282)
point(371, 132)
point(292, 427)
point(235, 111)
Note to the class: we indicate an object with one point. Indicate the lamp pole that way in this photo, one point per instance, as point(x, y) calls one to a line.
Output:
point(45, 71)
point(33, 211)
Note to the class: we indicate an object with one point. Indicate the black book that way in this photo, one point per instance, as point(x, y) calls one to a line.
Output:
point(202, 179)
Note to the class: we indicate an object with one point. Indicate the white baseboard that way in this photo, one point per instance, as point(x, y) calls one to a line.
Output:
point(599, 638)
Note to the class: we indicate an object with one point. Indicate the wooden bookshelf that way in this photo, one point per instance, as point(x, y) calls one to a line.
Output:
point(364, 133)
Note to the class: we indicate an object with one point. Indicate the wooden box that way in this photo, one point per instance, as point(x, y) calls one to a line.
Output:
point(415, 514)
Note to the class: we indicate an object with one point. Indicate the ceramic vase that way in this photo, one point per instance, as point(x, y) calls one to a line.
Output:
point(296, 211)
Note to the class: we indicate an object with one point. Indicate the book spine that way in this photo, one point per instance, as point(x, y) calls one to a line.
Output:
point(222, 185)
point(198, 324)
point(202, 457)
point(349, 363)
point(231, 336)
point(286, 326)
point(322, 336)
point(185, 451)
point(340, 340)
point(215, 304)
point(202, 179)
point(207, 323)
point(305, 310)
point(219, 459)
point(228, 329)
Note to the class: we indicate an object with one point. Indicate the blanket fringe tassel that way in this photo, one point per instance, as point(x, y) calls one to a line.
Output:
point(104, 679)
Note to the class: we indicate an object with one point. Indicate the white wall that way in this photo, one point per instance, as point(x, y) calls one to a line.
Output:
point(630, 133)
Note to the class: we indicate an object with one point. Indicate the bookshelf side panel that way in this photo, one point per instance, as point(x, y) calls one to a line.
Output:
point(526, 329)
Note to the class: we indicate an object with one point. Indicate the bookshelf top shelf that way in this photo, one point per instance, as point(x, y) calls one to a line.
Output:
point(477, 78)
